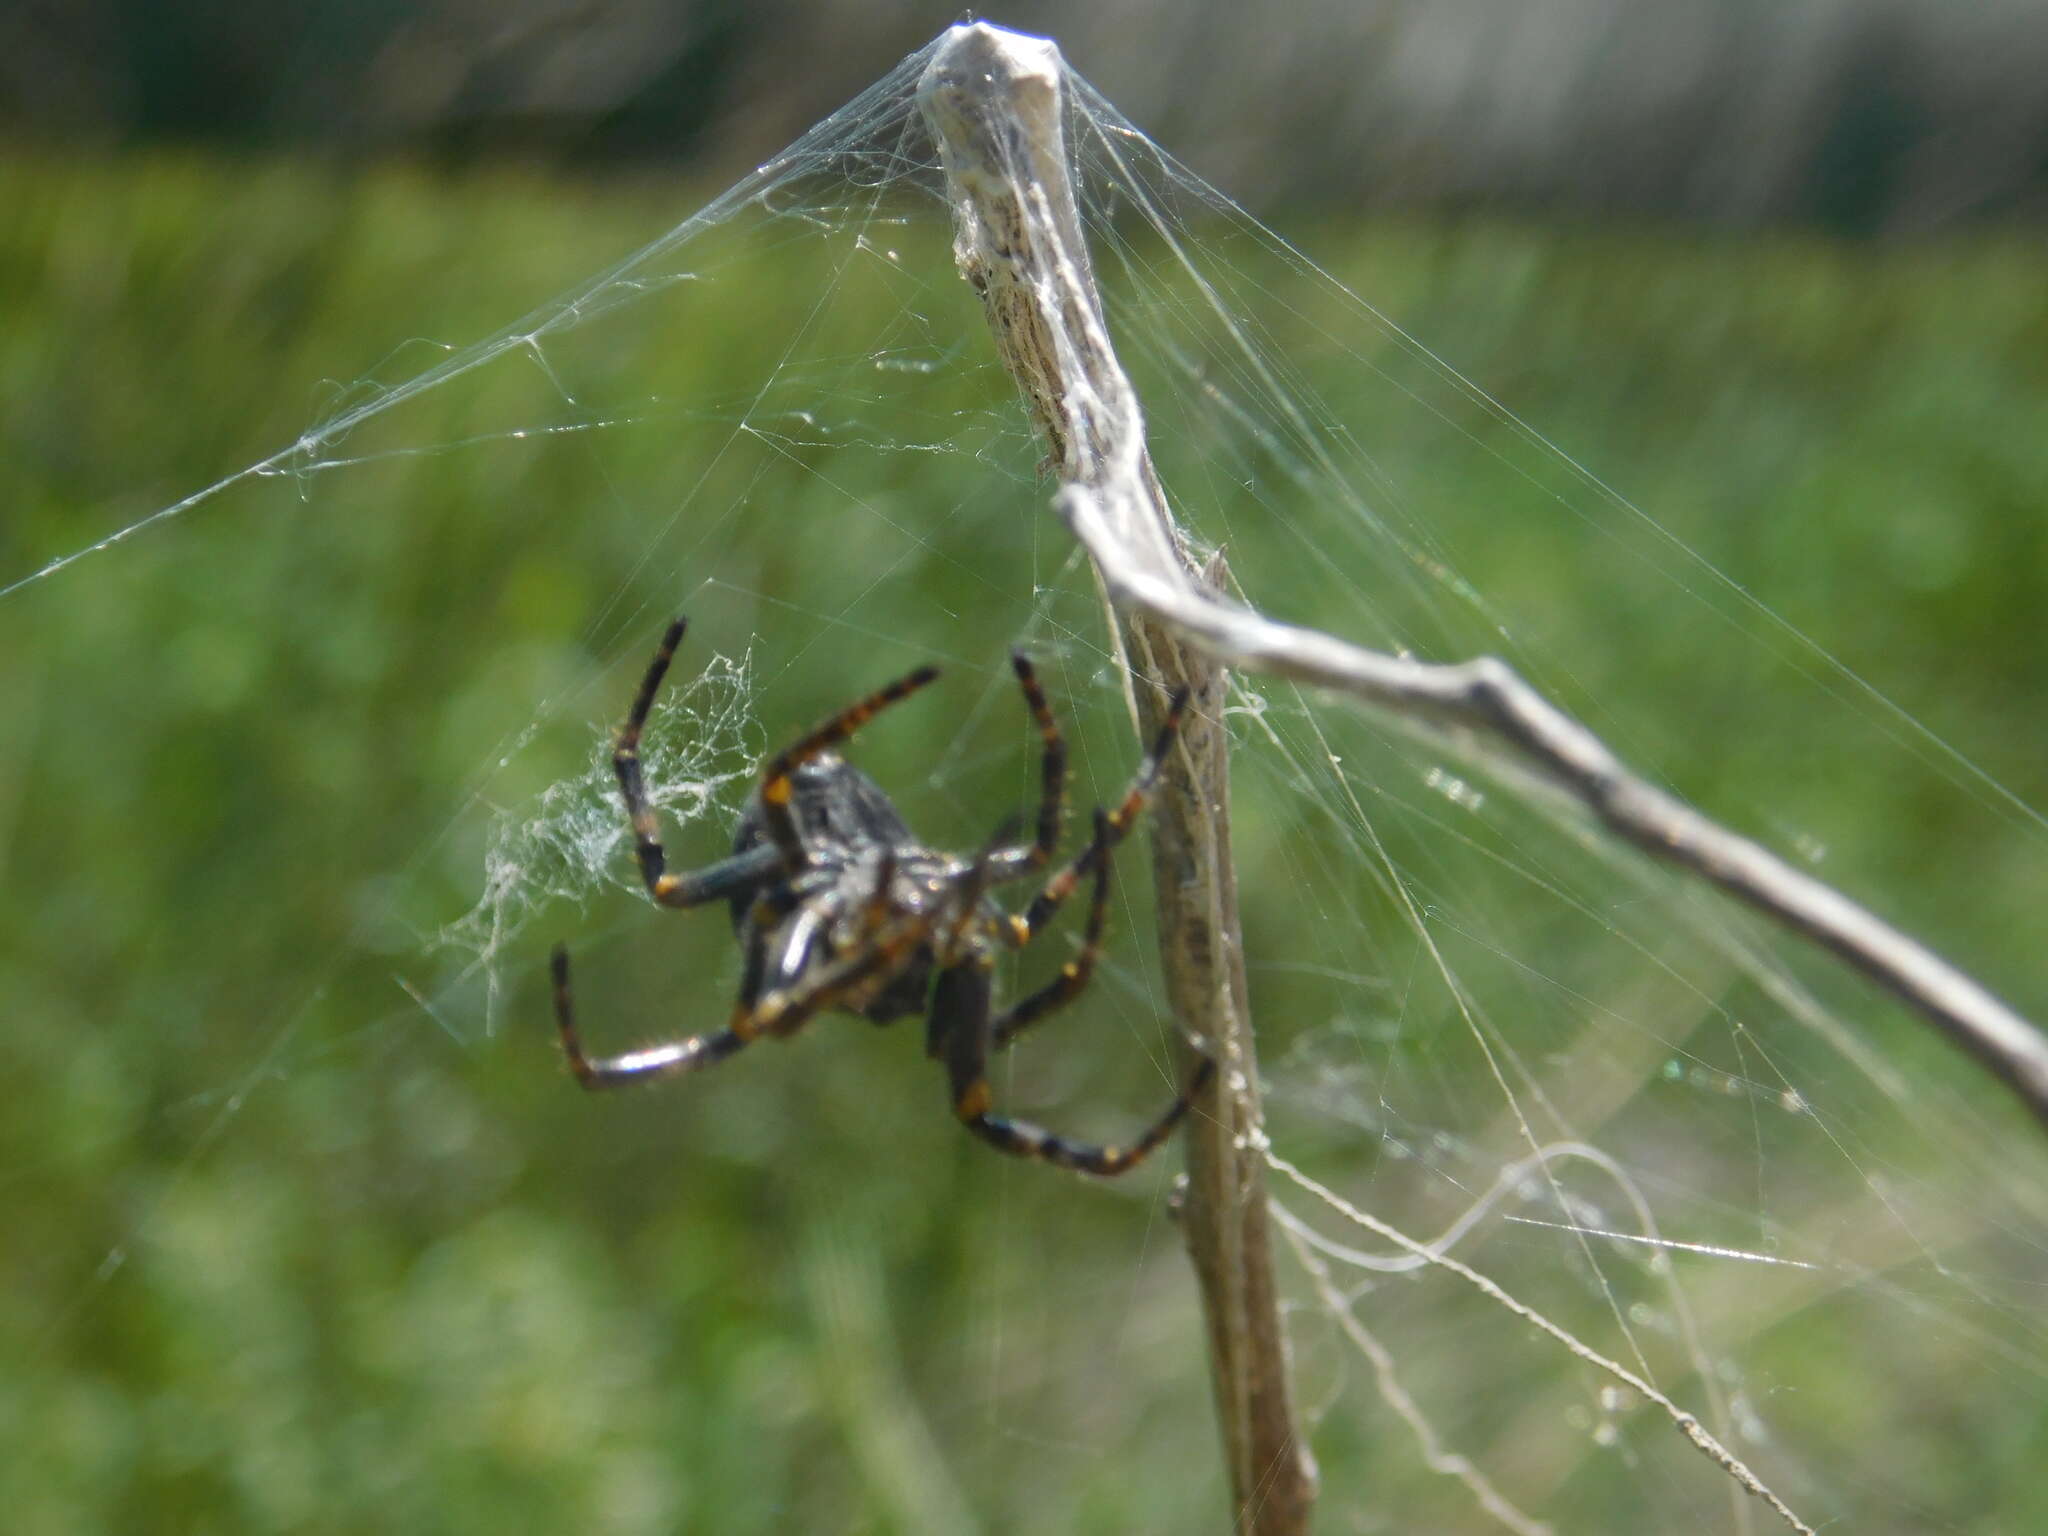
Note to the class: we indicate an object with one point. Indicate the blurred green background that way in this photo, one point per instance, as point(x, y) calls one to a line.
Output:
point(287, 1249)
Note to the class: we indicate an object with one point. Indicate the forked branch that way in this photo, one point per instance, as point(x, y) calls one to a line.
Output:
point(993, 99)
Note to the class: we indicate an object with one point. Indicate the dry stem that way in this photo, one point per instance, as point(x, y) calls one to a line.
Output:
point(993, 99)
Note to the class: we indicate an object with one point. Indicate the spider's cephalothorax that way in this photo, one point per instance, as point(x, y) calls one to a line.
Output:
point(837, 906)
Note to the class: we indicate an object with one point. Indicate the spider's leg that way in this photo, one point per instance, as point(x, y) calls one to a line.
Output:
point(775, 783)
point(1075, 974)
point(1052, 764)
point(728, 877)
point(672, 1060)
point(1022, 930)
point(1020, 1138)
point(784, 1010)
point(973, 884)
point(738, 875)
point(626, 763)
point(792, 958)
point(875, 911)
point(961, 1026)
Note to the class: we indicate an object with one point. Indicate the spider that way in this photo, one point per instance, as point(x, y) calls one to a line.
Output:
point(836, 905)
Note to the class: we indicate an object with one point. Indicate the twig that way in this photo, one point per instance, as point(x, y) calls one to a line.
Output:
point(1019, 241)
point(1485, 695)
point(993, 99)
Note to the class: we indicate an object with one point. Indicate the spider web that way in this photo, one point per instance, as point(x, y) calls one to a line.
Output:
point(1698, 1152)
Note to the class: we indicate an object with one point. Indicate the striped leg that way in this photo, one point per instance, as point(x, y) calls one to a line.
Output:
point(691, 1055)
point(780, 1011)
point(775, 784)
point(961, 1030)
point(1075, 974)
point(727, 877)
point(1052, 764)
point(972, 886)
point(1021, 1139)
point(1056, 890)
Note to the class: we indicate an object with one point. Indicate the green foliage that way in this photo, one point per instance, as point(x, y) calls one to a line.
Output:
point(282, 1254)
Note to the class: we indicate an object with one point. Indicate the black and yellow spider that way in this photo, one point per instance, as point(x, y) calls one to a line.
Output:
point(837, 906)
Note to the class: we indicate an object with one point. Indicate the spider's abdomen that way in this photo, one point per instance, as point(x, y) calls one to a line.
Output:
point(837, 810)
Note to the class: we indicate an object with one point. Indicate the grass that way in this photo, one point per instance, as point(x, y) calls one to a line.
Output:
point(284, 1252)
